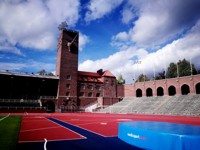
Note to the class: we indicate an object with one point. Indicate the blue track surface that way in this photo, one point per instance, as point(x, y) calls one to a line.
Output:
point(160, 135)
point(93, 142)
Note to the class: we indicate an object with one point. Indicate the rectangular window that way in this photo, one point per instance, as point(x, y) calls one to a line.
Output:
point(68, 86)
point(68, 77)
point(90, 87)
point(81, 94)
point(84, 78)
point(82, 86)
point(90, 94)
point(67, 93)
point(98, 87)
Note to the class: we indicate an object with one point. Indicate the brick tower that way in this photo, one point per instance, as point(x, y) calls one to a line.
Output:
point(67, 69)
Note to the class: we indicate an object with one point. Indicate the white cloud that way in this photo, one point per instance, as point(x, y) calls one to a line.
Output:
point(11, 66)
point(33, 23)
point(123, 62)
point(83, 40)
point(119, 63)
point(99, 8)
point(159, 21)
point(64, 10)
point(7, 47)
point(18, 66)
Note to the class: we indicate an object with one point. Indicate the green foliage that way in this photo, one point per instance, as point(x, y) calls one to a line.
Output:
point(184, 69)
point(50, 74)
point(120, 80)
point(43, 73)
point(9, 130)
point(161, 75)
point(142, 78)
point(172, 71)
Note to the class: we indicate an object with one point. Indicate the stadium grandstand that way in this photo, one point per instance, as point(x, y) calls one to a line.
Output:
point(73, 90)
point(134, 116)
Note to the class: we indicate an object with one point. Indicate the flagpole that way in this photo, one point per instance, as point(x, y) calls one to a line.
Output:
point(154, 72)
point(177, 69)
point(191, 66)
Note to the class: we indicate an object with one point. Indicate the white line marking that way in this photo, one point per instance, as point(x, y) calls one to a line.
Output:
point(39, 129)
point(79, 127)
point(52, 140)
point(67, 128)
point(5, 117)
point(45, 144)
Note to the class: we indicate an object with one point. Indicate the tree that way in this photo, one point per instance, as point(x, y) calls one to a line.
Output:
point(142, 78)
point(161, 75)
point(120, 80)
point(184, 69)
point(42, 72)
point(50, 74)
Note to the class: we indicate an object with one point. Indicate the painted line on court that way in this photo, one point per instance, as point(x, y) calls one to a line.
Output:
point(77, 126)
point(45, 144)
point(40, 129)
point(52, 140)
point(67, 128)
point(5, 117)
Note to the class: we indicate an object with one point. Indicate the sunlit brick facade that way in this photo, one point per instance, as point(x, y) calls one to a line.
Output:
point(79, 88)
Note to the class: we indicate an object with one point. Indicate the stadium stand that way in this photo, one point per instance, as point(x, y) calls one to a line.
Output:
point(20, 104)
point(187, 105)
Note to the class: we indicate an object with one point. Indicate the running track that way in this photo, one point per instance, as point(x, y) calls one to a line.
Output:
point(83, 131)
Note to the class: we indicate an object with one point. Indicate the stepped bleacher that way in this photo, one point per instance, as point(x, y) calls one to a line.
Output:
point(188, 105)
point(20, 104)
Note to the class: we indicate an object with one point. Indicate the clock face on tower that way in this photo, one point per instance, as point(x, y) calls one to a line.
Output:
point(72, 41)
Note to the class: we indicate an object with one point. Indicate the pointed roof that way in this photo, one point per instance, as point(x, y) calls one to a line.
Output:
point(107, 74)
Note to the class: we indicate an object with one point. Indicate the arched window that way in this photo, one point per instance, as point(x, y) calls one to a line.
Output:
point(185, 89)
point(197, 87)
point(149, 92)
point(160, 91)
point(138, 93)
point(172, 90)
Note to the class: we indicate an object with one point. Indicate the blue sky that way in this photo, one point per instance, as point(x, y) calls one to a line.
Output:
point(114, 34)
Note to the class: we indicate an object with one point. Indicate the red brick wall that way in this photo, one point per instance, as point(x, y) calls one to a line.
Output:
point(110, 101)
point(129, 90)
point(85, 101)
point(67, 65)
point(109, 87)
point(120, 90)
point(86, 90)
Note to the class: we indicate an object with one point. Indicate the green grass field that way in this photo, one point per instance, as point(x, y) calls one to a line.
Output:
point(9, 130)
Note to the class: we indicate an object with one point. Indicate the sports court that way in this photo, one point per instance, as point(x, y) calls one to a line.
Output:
point(84, 131)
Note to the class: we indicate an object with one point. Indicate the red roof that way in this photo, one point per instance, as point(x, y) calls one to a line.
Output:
point(107, 74)
point(93, 74)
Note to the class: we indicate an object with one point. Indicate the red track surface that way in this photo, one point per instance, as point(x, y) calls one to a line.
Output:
point(36, 127)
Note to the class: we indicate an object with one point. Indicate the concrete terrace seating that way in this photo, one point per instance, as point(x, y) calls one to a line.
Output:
point(18, 104)
point(118, 107)
point(170, 105)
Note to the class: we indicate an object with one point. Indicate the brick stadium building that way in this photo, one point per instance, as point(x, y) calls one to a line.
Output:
point(71, 88)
